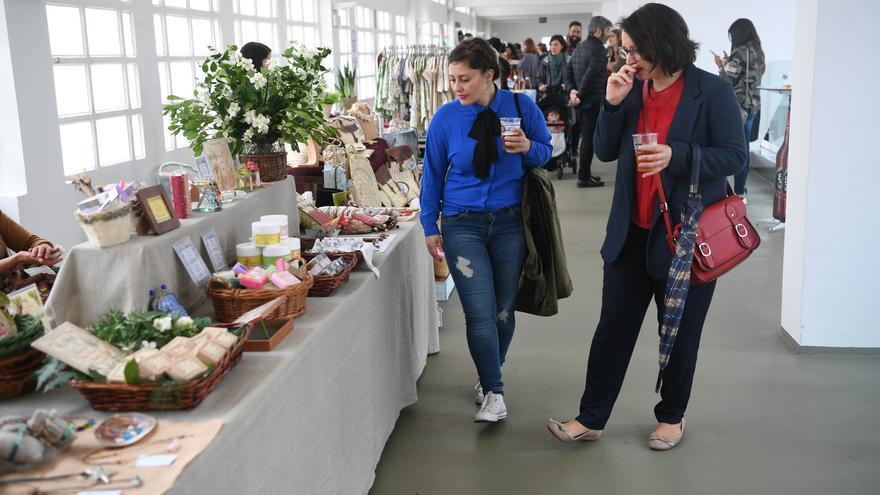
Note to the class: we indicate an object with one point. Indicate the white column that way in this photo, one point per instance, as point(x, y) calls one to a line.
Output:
point(830, 296)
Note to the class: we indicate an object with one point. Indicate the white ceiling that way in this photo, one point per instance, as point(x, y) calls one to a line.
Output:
point(518, 10)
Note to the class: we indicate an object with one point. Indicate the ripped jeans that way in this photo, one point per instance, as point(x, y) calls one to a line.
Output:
point(485, 252)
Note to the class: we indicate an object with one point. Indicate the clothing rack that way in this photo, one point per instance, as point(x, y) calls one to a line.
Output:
point(412, 83)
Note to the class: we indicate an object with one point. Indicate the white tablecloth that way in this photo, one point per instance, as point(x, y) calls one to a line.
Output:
point(313, 415)
point(95, 280)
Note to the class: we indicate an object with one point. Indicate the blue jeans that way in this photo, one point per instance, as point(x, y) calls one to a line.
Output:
point(739, 180)
point(485, 252)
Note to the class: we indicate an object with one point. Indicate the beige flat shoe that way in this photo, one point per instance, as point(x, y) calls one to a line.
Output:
point(659, 442)
point(557, 429)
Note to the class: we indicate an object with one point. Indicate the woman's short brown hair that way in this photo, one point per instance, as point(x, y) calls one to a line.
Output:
point(661, 37)
point(529, 46)
point(478, 54)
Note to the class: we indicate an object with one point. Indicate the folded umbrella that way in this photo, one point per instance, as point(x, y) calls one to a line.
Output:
point(678, 281)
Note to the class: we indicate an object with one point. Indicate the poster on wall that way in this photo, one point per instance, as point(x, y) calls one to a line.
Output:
point(216, 152)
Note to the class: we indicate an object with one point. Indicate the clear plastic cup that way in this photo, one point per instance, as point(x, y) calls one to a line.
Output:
point(638, 141)
point(509, 125)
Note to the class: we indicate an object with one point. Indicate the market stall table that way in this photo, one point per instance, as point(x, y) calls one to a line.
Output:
point(95, 280)
point(313, 415)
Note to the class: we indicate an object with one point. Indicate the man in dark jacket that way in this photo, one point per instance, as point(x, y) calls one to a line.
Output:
point(585, 77)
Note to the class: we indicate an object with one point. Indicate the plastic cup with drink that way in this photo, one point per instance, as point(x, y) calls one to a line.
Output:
point(640, 140)
point(509, 126)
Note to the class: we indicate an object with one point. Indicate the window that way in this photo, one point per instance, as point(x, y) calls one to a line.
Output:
point(464, 10)
point(441, 2)
point(345, 38)
point(97, 92)
point(184, 35)
point(256, 21)
point(302, 22)
point(400, 30)
point(432, 33)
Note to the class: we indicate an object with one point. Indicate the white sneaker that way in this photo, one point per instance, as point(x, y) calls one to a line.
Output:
point(492, 410)
point(478, 393)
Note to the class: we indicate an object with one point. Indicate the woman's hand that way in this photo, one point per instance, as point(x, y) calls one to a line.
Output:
point(435, 247)
point(517, 143)
point(653, 158)
point(542, 88)
point(619, 84)
point(46, 254)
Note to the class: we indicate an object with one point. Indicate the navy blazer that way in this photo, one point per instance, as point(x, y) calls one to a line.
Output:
point(708, 115)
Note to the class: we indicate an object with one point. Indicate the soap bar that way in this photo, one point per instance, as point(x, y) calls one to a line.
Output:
point(220, 336)
point(180, 348)
point(154, 365)
point(187, 369)
point(118, 373)
point(210, 352)
point(213, 331)
point(254, 279)
point(283, 280)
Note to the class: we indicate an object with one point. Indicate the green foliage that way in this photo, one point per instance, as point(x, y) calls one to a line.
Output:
point(345, 80)
point(54, 374)
point(129, 332)
point(330, 98)
point(244, 106)
point(30, 328)
point(132, 373)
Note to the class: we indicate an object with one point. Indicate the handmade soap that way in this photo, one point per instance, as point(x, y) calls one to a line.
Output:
point(179, 348)
point(210, 352)
point(187, 369)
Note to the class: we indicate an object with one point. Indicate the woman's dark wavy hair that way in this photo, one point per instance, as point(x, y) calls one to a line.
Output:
point(661, 37)
point(478, 54)
point(256, 52)
point(561, 40)
point(742, 32)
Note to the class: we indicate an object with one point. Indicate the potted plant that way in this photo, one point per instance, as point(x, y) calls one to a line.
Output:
point(345, 80)
point(255, 111)
point(327, 101)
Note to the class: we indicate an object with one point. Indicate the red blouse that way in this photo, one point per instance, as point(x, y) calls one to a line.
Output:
point(658, 110)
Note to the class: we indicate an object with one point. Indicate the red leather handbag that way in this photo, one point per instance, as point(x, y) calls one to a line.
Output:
point(725, 236)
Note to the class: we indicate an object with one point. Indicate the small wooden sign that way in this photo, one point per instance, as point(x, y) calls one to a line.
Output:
point(157, 209)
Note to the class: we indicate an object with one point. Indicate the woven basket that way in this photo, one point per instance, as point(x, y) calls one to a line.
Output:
point(325, 285)
point(107, 228)
point(230, 303)
point(273, 166)
point(153, 397)
point(17, 372)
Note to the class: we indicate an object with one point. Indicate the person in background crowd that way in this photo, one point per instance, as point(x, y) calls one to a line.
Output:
point(542, 51)
point(575, 29)
point(27, 248)
point(509, 52)
point(530, 67)
point(503, 64)
point(473, 179)
point(585, 78)
point(615, 61)
point(659, 54)
point(553, 67)
point(468, 36)
point(744, 70)
point(258, 53)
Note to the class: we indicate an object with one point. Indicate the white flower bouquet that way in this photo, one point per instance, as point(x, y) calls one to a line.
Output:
point(253, 109)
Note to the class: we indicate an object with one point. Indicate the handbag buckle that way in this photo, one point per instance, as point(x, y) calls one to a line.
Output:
point(705, 250)
point(741, 230)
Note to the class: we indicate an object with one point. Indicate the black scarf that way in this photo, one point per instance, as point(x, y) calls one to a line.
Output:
point(486, 128)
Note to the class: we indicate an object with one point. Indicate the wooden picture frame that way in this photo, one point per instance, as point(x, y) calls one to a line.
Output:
point(157, 209)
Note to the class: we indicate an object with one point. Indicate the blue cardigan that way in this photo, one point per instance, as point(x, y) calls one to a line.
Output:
point(449, 183)
point(708, 114)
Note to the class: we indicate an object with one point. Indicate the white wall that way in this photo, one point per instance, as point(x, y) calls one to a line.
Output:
point(830, 296)
point(708, 22)
point(517, 31)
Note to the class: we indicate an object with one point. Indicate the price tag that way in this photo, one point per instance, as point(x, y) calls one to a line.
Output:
point(162, 460)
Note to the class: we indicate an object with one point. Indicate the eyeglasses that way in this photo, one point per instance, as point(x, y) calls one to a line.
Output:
point(624, 53)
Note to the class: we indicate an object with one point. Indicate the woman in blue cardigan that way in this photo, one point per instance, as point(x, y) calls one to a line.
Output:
point(683, 105)
point(473, 181)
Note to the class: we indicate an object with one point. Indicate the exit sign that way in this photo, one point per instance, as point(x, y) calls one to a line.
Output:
point(542, 20)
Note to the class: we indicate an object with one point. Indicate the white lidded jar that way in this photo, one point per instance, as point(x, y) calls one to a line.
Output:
point(248, 254)
point(280, 220)
point(266, 233)
point(271, 254)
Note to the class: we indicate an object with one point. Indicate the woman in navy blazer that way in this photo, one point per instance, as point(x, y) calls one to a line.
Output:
point(700, 108)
